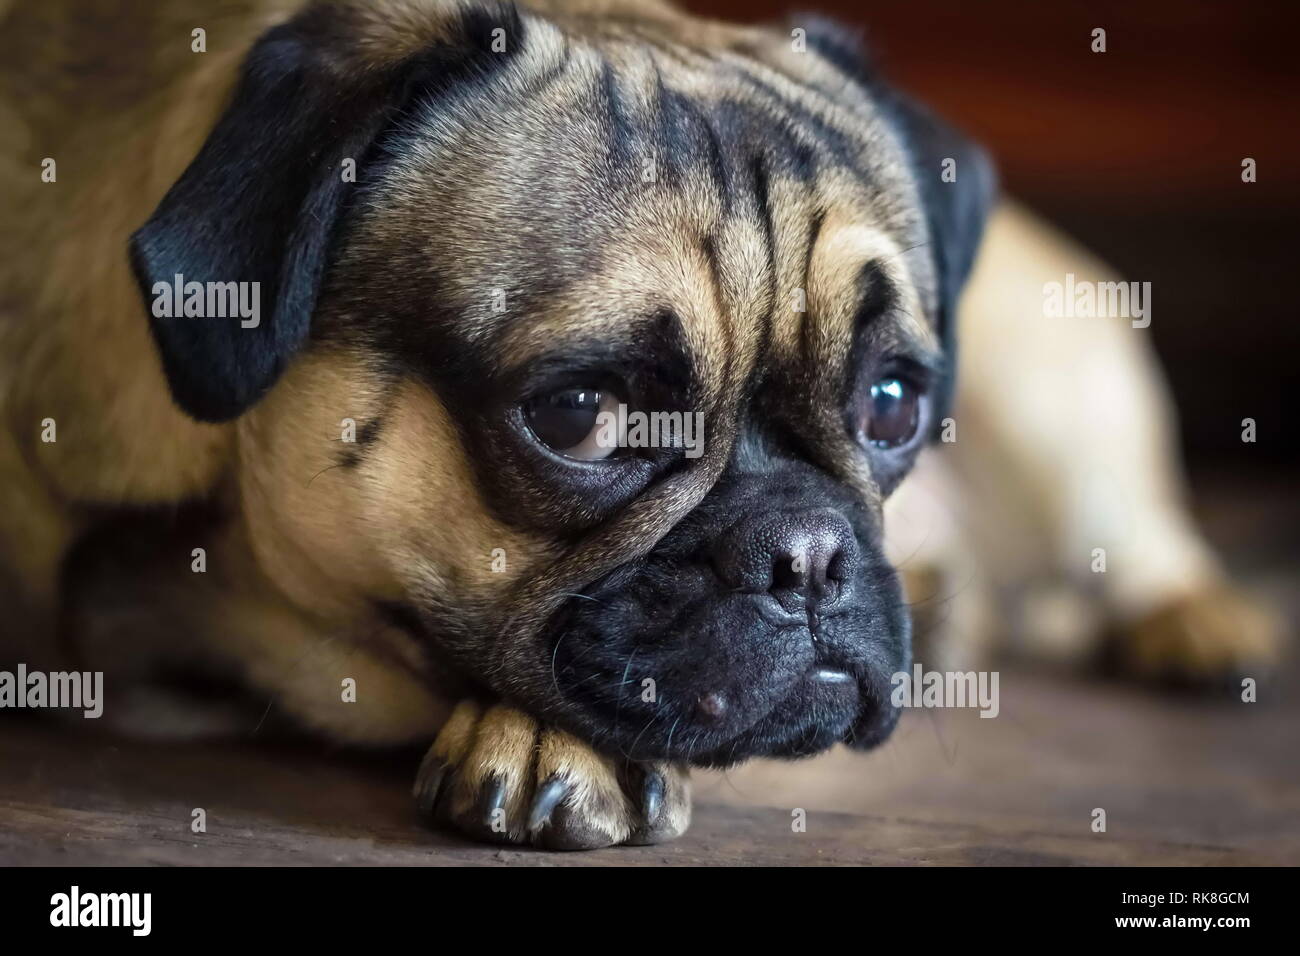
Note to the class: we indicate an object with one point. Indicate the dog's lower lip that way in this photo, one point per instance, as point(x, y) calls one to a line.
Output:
point(828, 675)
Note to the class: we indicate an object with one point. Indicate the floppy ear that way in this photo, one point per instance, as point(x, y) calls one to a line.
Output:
point(958, 185)
point(956, 205)
point(263, 199)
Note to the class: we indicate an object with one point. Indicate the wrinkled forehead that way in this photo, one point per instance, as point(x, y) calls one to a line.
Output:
point(595, 189)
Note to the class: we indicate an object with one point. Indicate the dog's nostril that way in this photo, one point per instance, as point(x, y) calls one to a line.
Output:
point(835, 568)
point(790, 571)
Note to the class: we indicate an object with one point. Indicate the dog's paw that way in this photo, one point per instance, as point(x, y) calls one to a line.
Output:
point(499, 775)
point(1208, 639)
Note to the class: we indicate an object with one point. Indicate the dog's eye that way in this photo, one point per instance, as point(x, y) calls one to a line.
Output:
point(579, 423)
point(893, 413)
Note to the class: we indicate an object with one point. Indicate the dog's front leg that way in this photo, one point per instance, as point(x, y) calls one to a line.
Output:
point(499, 775)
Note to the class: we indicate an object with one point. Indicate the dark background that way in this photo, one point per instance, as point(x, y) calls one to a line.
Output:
point(1137, 152)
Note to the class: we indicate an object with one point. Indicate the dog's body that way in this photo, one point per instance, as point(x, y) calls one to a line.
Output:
point(213, 512)
point(1055, 523)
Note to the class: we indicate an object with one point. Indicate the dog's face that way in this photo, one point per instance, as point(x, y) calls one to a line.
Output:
point(560, 229)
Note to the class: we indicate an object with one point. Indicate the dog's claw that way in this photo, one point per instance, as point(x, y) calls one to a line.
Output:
point(493, 799)
point(549, 795)
point(664, 805)
point(428, 784)
point(653, 796)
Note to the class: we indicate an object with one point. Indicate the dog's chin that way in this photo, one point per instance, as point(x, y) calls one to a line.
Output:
point(826, 707)
point(820, 726)
point(820, 715)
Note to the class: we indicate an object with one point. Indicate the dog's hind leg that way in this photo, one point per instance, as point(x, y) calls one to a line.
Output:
point(1065, 444)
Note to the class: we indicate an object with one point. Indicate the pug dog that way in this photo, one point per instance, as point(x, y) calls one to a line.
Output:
point(330, 334)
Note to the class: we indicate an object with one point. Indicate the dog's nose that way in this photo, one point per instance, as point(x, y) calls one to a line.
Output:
point(801, 557)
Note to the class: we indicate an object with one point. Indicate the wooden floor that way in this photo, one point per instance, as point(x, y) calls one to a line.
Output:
point(1182, 781)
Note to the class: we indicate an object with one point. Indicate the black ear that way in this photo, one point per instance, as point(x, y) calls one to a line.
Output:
point(262, 201)
point(958, 186)
point(957, 195)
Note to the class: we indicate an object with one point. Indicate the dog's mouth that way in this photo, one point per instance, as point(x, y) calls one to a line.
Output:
point(819, 713)
point(717, 690)
point(825, 707)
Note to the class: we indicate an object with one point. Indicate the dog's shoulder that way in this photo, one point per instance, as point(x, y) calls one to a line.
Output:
point(106, 104)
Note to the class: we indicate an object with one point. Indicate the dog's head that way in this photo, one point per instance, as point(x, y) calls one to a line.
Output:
point(596, 345)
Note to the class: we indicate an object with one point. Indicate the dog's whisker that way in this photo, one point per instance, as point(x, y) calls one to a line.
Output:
point(668, 747)
point(635, 740)
point(322, 471)
point(618, 709)
point(555, 677)
point(584, 597)
point(949, 755)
